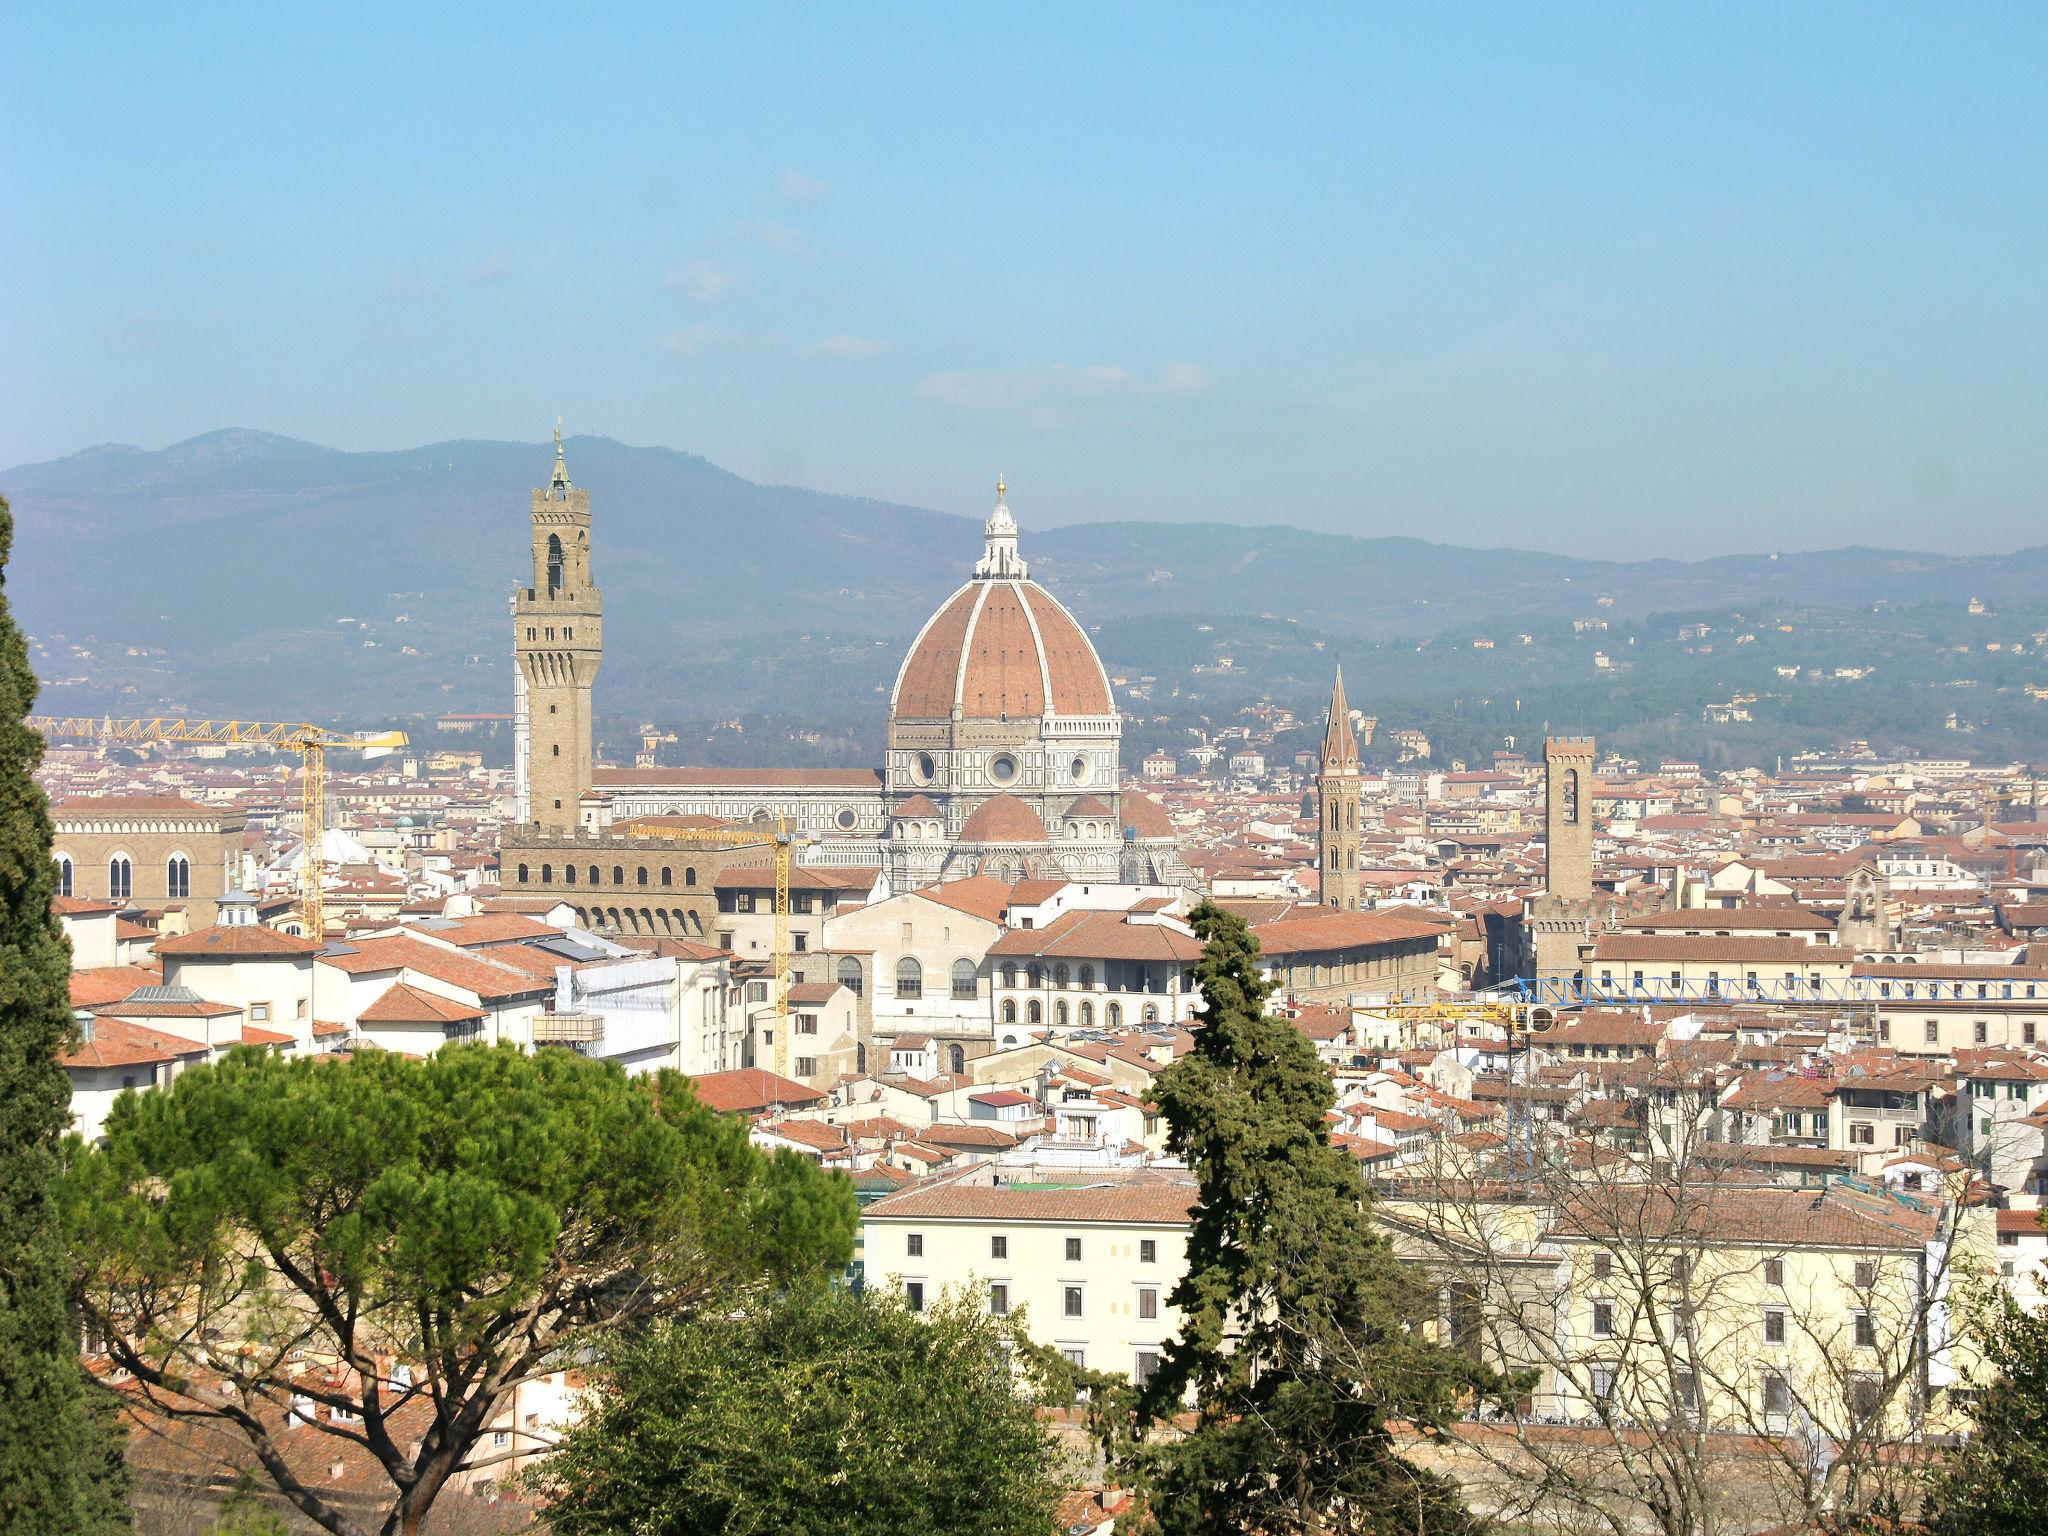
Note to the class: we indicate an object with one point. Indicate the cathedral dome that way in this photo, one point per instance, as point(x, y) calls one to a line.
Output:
point(1003, 819)
point(1146, 816)
point(1001, 648)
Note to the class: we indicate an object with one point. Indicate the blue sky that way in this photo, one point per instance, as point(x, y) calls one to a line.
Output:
point(1615, 279)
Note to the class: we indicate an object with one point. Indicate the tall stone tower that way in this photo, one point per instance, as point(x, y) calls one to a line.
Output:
point(1337, 795)
point(1557, 925)
point(1568, 817)
point(558, 640)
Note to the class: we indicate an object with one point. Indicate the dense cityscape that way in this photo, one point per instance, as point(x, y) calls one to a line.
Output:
point(1606, 1040)
point(1058, 770)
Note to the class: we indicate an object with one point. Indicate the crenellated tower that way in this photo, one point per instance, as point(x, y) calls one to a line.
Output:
point(558, 641)
point(1337, 796)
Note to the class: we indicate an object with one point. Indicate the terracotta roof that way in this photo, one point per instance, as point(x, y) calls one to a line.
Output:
point(242, 942)
point(144, 805)
point(814, 993)
point(1832, 1217)
point(750, 1088)
point(1087, 805)
point(1735, 920)
point(1003, 819)
point(493, 928)
point(1030, 893)
point(738, 778)
point(1149, 1199)
point(96, 984)
point(918, 805)
point(117, 1043)
point(485, 974)
point(1331, 930)
point(802, 877)
point(1145, 815)
point(1099, 936)
point(1001, 650)
point(80, 906)
point(1742, 949)
point(981, 896)
point(403, 1003)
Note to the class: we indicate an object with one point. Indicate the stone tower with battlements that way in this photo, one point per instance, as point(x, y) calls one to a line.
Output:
point(1557, 925)
point(1337, 799)
point(558, 641)
point(1568, 817)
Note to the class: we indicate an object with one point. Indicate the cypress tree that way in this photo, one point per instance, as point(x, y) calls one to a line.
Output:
point(60, 1448)
point(1300, 1337)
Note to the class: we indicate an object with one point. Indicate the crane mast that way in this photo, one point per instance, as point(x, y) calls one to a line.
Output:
point(310, 742)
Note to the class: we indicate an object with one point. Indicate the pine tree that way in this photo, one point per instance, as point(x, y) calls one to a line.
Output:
point(60, 1460)
point(1998, 1481)
point(1300, 1337)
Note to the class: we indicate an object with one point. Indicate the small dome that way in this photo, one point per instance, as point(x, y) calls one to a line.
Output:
point(1146, 816)
point(1003, 819)
point(1087, 805)
point(918, 805)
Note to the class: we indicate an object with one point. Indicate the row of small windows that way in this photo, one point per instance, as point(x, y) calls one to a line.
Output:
point(121, 876)
point(547, 875)
point(1034, 1013)
point(1036, 975)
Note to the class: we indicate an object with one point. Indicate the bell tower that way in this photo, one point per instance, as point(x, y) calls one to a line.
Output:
point(1337, 797)
point(558, 641)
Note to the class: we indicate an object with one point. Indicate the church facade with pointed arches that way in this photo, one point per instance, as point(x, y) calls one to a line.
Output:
point(1003, 744)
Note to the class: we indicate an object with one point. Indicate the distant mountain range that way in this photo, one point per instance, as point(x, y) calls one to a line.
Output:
point(248, 572)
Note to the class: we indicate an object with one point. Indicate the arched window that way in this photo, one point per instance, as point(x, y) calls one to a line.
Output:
point(63, 874)
point(1009, 975)
point(595, 877)
point(1059, 1014)
point(569, 874)
point(860, 1057)
point(1036, 973)
point(668, 876)
point(618, 874)
point(689, 876)
point(177, 876)
point(909, 978)
point(523, 876)
point(966, 981)
point(640, 874)
point(849, 974)
point(547, 874)
point(956, 1058)
point(120, 877)
point(1087, 976)
point(1151, 1013)
point(1060, 974)
point(1034, 1013)
point(1009, 1010)
point(554, 563)
point(1087, 1015)
point(1113, 1015)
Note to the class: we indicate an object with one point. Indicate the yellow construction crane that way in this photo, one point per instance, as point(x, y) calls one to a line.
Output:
point(784, 842)
point(310, 742)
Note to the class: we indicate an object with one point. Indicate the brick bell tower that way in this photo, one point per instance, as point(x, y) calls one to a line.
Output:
point(1337, 795)
point(558, 640)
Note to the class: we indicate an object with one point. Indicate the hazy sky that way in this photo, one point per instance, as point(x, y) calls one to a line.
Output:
point(1631, 279)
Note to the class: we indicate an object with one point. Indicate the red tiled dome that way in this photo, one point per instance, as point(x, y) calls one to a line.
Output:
point(1003, 819)
point(1146, 816)
point(1002, 649)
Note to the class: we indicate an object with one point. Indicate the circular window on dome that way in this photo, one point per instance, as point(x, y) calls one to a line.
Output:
point(923, 768)
point(1079, 769)
point(1002, 768)
point(847, 819)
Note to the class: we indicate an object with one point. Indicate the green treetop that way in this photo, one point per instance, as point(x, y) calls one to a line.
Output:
point(1301, 1334)
point(447, 1228)
point(60, 1448)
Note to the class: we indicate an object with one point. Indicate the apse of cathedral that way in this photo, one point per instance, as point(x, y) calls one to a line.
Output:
point(1004, 752)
